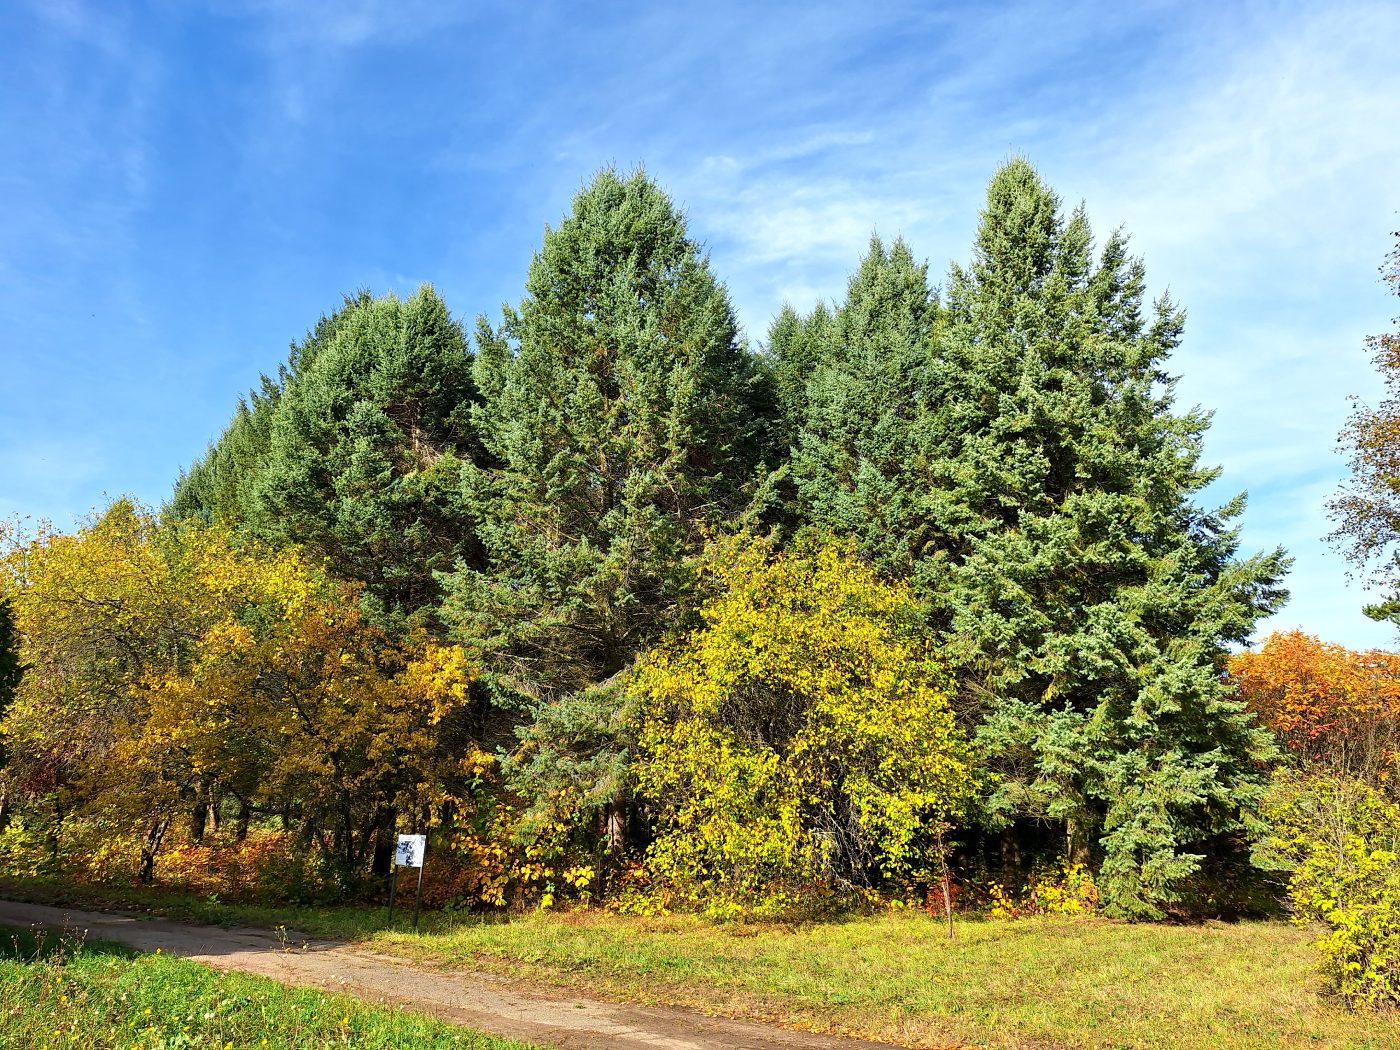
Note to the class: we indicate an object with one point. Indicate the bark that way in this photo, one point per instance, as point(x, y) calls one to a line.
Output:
point(149, 848)
point(1077, 841)
point(617, 824)
point(1010, 858)
point(245, 815)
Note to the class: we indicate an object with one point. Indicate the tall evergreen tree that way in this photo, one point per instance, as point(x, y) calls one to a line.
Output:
point(217, 487)
point(626, 419)
point(797, 348)
point(365, 450)
point(857, 460)
point(1093, 599)
point(354, 452)
point(221, 486)
point(1021, 455)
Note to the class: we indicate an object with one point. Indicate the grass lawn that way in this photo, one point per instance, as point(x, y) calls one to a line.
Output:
point(56, 993)
point(1030, 983)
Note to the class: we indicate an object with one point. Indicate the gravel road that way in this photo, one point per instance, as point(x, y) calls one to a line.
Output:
point(478, 1001)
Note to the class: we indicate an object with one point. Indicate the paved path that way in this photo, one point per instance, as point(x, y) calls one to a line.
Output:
point(479, 1002)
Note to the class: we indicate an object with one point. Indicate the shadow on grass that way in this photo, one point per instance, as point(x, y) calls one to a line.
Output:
point(40, 944)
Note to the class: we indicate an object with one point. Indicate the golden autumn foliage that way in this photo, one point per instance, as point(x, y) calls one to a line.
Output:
point(174, 671)
point(799, 743)
point(1331, 706)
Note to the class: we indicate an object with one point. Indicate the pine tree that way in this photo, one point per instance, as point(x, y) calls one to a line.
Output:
point(626, 418)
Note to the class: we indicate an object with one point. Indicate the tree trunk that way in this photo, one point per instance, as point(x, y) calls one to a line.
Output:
point(245, 814)
point(617, 824)
point(1010, 859)
point(54, 832)
point(149, 849)
point(1077, 841)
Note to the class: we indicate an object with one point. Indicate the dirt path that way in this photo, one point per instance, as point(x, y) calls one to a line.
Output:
point(474, 1000)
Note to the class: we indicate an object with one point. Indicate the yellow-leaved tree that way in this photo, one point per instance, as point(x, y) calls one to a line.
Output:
point(799, 744)
point(174, 672)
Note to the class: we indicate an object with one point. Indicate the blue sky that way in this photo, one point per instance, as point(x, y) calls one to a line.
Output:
point(186, 186)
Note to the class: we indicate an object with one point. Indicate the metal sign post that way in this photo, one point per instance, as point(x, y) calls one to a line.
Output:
point(408, 853)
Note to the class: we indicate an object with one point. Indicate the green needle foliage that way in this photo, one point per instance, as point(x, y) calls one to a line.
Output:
point(1005, 449)
point(356, 452)
point(627, 420)
point(1093, 599)
point(1020, 456)
point(858, 463)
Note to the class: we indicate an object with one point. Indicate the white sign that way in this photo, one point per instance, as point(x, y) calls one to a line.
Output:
point(409, 851)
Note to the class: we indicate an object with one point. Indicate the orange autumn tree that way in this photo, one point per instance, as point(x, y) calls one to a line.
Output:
point(1336, 709)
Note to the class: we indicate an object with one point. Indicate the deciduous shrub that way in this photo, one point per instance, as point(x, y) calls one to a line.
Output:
point(799, 744)
point(1341, 839)
point(1067, 889)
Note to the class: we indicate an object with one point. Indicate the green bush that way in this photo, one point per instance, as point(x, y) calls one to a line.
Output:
point(1341, 839)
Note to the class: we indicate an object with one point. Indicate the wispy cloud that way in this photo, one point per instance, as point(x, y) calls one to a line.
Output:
point(187, 186)
point(1250, 154)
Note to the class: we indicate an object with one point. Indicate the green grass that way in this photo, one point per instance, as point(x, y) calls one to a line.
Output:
point(1031, 983)
point(55, 993)
point(1058, 982)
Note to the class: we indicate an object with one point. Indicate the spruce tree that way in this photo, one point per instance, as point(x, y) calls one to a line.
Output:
point(626, 419)
point(797, 348)
point(365, 448)
point(857, 461)
point(1093, 601)
point(217, 487)
point(221, 486)
point(1020, 455)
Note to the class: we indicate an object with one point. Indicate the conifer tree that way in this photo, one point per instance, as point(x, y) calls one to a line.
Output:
point(217, 487)
point(797, 348)
point(1020, 456)
point(625, 416)
point(220, 487)
point(1092, 599)
point(857, 462)
point(354, 452)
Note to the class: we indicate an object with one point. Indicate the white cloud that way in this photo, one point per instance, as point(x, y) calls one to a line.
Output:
point(1253, 161)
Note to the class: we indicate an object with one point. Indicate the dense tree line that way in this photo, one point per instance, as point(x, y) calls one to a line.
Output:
point(658, 562)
